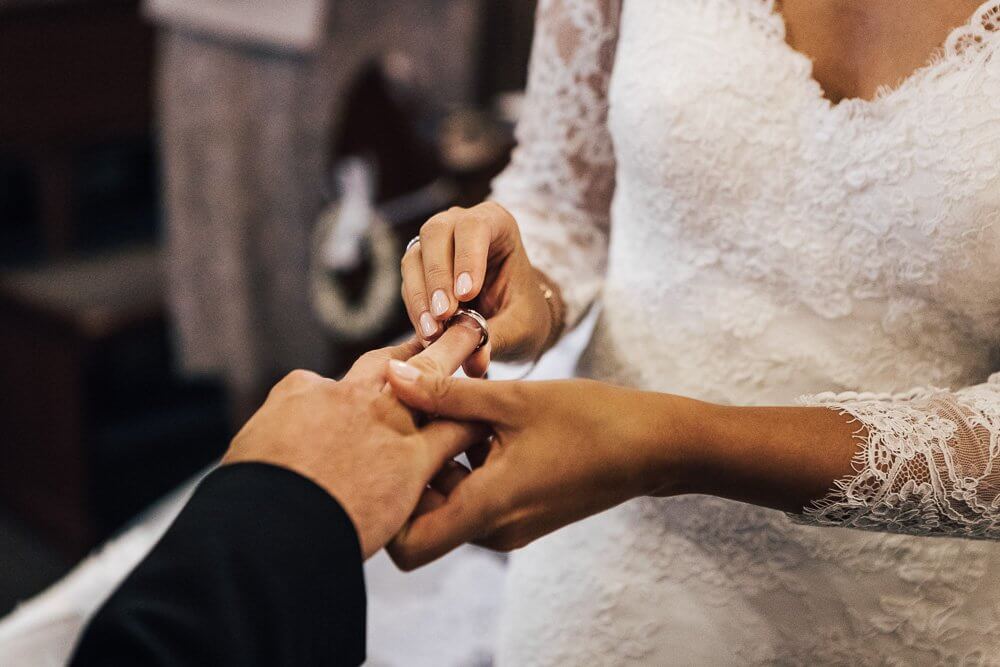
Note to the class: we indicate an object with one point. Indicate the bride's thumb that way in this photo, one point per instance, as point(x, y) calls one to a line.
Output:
point(456, 398)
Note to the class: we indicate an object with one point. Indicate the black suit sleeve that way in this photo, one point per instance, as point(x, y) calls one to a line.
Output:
point(262, 567)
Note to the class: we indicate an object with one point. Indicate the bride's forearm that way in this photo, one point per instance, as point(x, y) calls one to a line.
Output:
point(779, 457)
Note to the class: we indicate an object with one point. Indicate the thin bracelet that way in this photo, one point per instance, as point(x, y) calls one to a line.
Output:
point(557, 317)
point(557, 323)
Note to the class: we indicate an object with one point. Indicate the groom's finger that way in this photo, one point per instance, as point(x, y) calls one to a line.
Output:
point(370, 367)
point(462, 518)
point(446, 354)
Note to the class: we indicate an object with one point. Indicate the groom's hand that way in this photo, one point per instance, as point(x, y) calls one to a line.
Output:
point(356, 441)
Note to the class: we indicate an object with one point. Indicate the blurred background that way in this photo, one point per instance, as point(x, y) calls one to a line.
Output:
point(197, 196)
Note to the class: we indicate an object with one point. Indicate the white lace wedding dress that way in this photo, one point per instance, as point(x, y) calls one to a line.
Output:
point(750, 242)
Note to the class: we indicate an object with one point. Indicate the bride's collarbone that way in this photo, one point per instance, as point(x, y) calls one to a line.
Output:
point(858, 47)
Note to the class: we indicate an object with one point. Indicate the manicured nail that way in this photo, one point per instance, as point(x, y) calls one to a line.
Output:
point(428, 325)
point(463, 284)
point(439, 303)
point(403, 370)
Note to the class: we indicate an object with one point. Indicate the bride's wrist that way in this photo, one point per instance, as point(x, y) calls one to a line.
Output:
point(680, 435)
point(555, 309)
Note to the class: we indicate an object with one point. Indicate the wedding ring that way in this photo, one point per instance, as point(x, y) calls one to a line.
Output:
point(480, 321)
point(414, 241)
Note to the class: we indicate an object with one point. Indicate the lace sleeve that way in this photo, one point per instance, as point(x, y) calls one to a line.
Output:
point(928, 463)
point(559, 182)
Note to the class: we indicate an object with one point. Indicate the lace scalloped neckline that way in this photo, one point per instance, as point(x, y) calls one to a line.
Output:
point(983, 23)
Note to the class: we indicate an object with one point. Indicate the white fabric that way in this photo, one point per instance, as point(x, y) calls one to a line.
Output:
point(762, 243)
point(295, 25)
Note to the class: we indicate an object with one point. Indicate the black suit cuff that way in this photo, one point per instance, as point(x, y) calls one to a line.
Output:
point(261, 567)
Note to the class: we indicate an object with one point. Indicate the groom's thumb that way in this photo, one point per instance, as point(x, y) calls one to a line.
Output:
point(455, 398)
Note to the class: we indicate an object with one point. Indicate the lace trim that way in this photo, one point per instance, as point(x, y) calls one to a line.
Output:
point(985, 23)
point(965, 41)
point(926, 464)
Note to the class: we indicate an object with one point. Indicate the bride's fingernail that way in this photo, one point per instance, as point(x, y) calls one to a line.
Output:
point(439, 303)
point(403, 370)
point(428, 325)
point(463, 284)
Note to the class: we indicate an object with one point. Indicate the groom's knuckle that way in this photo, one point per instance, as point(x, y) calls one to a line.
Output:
point(296, 379)
point(300, 375)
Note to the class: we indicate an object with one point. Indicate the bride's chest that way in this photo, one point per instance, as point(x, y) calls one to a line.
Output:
point(724, 142)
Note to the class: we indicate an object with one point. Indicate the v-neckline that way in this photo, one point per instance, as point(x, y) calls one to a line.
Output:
point(942, 54)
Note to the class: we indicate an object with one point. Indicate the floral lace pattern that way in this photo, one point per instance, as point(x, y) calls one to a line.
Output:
point(751, 242)
point(562, 173)
point(930, 464)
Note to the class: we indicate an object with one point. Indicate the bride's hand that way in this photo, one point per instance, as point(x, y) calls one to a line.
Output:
point(562, 451)
point(476, 254)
